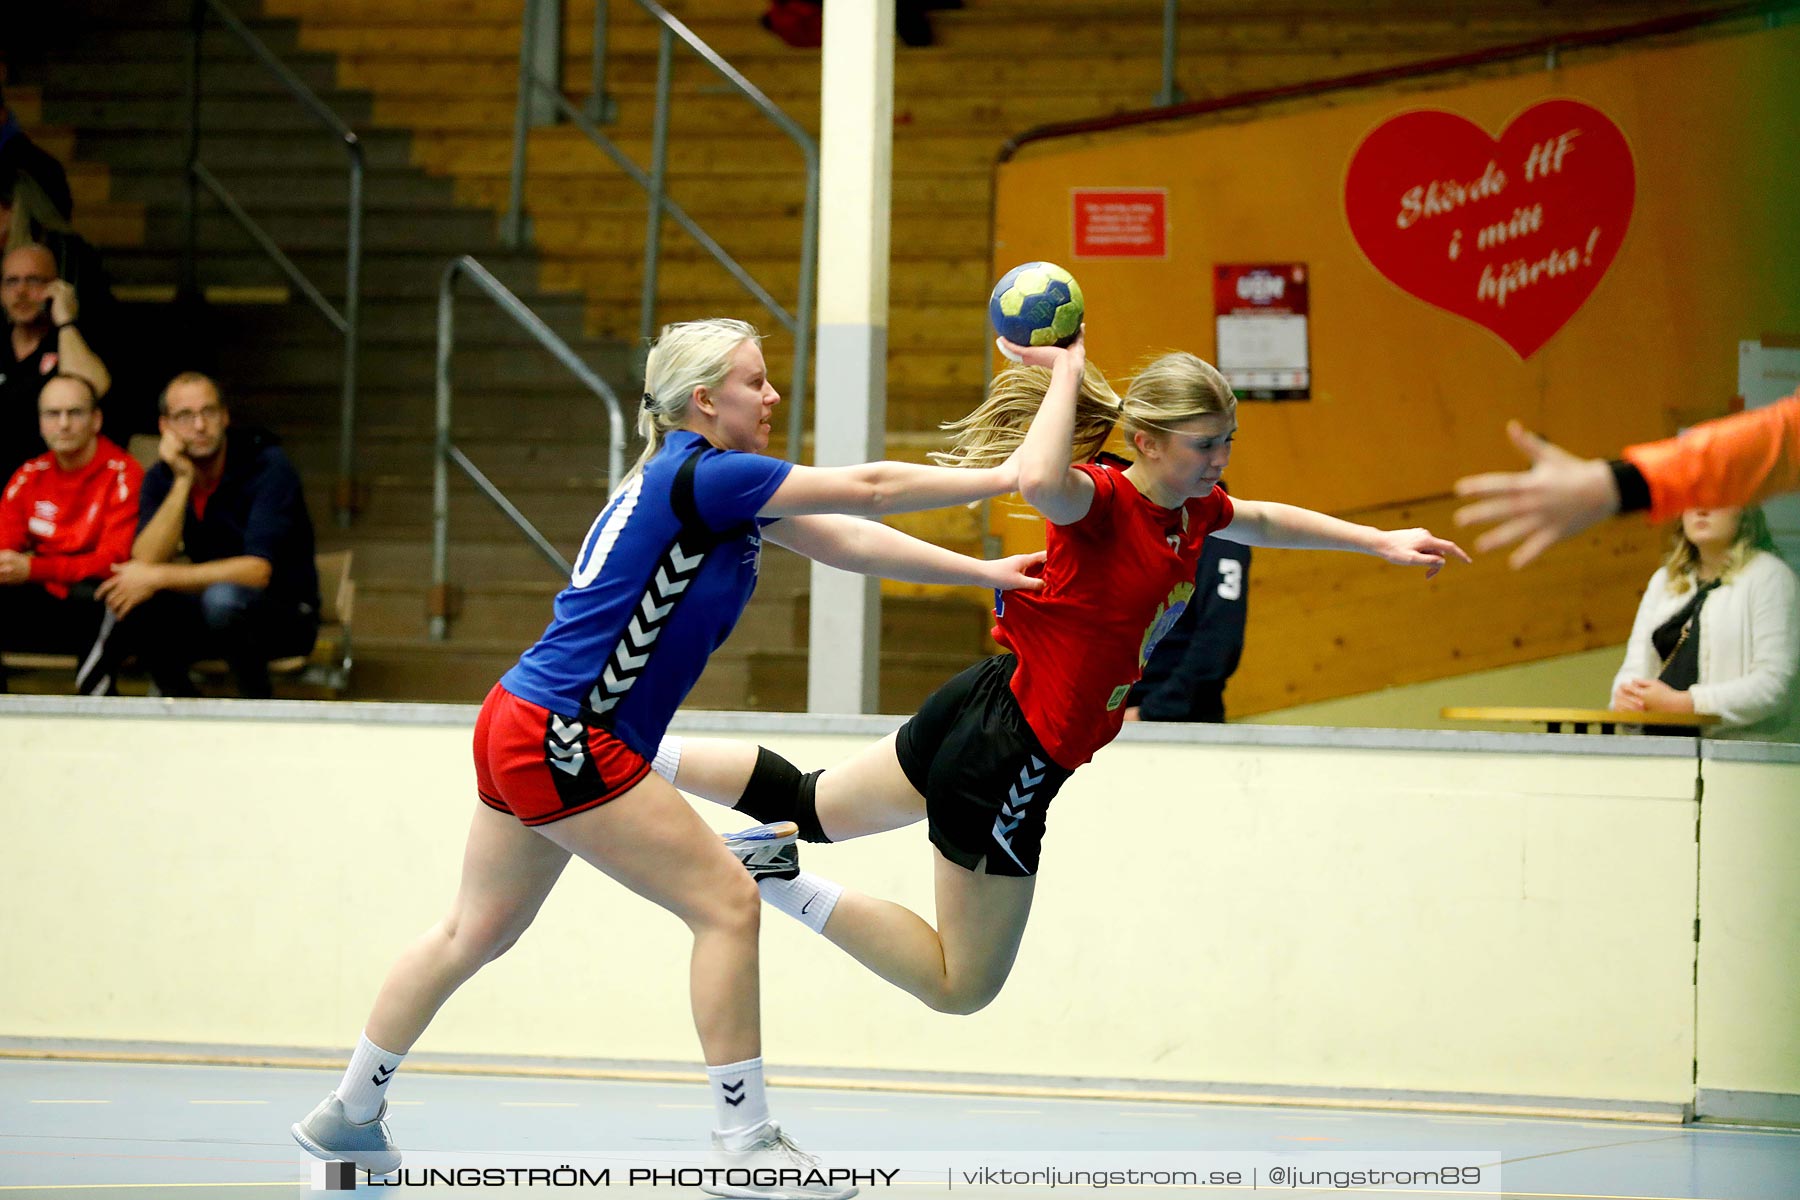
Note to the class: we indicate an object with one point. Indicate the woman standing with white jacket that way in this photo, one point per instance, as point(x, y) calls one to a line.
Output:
point(1718, 630)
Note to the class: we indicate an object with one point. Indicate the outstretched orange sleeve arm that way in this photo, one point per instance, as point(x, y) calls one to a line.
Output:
point(1732, 461)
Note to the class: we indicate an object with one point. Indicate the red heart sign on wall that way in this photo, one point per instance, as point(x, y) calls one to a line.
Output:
point(1512, 233)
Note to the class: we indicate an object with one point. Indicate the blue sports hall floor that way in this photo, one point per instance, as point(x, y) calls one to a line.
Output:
point(145, 1131)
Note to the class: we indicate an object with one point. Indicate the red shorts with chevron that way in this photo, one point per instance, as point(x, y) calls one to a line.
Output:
point(541, 767)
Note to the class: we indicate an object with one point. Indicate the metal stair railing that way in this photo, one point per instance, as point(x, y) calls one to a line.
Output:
point(798, 322)
point(344, 320)
point(446, 451)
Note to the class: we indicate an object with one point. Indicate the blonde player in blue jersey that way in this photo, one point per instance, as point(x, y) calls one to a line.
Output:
point(566, 742)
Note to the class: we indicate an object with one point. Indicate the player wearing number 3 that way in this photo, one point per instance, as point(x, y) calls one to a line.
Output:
point(986, 754)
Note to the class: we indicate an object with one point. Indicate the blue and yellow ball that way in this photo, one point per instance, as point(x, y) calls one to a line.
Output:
point(1036, 304)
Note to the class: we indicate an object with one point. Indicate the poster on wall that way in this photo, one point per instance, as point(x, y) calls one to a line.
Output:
point(1121, 222)
point(1512, 233)
point(1260, 313)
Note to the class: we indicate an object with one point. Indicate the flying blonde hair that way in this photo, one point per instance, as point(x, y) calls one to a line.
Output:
point(1167, 391)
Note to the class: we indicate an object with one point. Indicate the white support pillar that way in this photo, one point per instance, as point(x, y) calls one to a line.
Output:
point(544, 28)
point(850, 397)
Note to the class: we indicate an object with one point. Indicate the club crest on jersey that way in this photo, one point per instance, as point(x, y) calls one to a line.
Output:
point(42, 521)
point(1167, 614)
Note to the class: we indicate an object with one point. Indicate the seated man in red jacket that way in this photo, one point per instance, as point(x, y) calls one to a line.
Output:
point(65, 518)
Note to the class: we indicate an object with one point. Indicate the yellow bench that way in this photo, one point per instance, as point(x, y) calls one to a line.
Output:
point(1579, 719)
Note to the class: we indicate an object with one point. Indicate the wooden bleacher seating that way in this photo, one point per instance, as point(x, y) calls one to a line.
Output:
point(430, 87)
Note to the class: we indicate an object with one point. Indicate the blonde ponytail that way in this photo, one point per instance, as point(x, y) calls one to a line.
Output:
point(1167, 391)
point(685, 356)
point(989, 435)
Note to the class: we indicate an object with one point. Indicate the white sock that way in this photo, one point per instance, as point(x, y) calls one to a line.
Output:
point(739, 1102)
point(365, 1080)
point(668, 757)
point(806, 898)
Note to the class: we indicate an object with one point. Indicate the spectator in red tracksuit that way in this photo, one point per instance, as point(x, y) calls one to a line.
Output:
point(65, 518)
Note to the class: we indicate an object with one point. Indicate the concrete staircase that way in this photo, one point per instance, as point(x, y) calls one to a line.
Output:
point(111, 105)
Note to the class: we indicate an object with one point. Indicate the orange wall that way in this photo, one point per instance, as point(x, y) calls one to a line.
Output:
point(1406, 396)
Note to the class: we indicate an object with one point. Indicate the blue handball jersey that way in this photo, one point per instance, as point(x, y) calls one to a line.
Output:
point(663, 575)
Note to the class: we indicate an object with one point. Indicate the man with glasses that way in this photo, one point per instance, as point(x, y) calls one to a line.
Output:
point(44, 340)
point(249, 591)
point(65, 518)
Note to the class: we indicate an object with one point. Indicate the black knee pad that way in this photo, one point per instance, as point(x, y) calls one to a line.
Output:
point(773, 792)
point(806, 813)
point(777, 791)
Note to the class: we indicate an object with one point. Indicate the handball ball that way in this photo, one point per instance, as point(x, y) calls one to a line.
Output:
point(1036, 304)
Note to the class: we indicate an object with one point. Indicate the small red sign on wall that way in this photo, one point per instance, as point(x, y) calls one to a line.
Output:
point(1513, 232)
point(1121, 223)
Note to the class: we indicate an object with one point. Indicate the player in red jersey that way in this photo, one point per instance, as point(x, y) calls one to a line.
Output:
point(983, 758)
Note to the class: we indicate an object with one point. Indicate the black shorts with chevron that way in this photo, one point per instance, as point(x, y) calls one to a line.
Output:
point(986, 779)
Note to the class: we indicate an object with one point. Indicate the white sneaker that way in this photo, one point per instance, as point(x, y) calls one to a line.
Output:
point(328, 1134)
point(767, 851)
point(764, 1164)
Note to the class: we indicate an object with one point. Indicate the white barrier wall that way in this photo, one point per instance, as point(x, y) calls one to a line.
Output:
point(1748, 1043)
point(1477, 914)
point(1580, 680)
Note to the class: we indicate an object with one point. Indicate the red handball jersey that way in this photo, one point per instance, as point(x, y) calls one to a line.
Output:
point(1114, 582)
point(74, 524)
